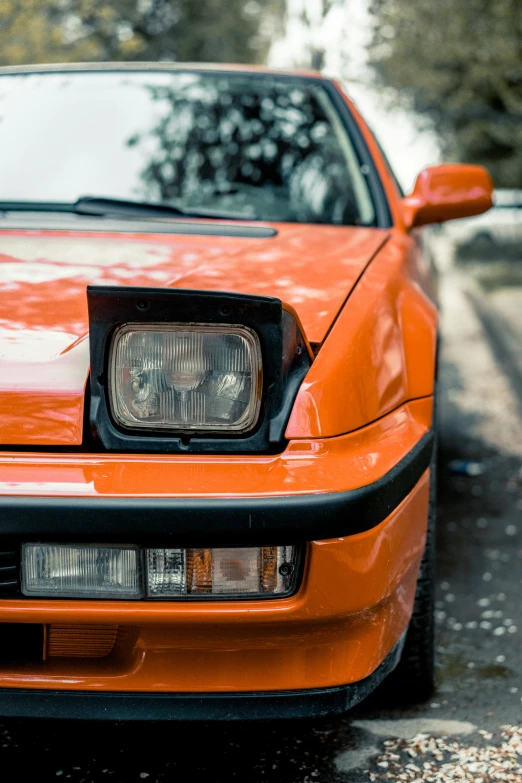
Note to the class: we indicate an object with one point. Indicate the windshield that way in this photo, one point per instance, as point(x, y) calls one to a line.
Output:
point(261, 148)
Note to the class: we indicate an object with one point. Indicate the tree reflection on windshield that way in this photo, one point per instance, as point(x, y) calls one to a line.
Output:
point(258, 147)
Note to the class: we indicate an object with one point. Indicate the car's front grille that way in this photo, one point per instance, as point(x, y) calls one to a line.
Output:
point(9, 570)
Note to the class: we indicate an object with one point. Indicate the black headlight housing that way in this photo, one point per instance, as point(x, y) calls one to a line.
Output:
point(286, 358)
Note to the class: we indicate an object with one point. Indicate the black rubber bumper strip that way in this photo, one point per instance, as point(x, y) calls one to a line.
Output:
point(259, 521)
point(259, 705)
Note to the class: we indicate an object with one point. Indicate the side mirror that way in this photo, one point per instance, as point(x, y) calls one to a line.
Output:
point(447, 192)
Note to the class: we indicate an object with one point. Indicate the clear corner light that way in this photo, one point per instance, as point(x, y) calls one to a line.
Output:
point(233, 572)
point(185, 377)
point(81, 571)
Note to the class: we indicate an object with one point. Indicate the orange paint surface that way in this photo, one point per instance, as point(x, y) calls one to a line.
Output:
point(447, 192)
point(354, 603)
point(43, 303)
point(306, 466)
point(380, 352)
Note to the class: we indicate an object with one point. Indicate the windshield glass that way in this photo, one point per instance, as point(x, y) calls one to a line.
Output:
point(259, 147)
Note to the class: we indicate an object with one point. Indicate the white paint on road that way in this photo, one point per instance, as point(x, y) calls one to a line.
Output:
point(358, 758)
point(407, 728)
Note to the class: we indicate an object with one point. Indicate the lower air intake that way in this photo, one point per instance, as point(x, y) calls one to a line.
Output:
point(80, 641)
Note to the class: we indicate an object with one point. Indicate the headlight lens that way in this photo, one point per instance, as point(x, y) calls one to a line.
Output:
point(185, 377)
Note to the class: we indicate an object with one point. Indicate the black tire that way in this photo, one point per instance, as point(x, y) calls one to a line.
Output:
point(413, 679)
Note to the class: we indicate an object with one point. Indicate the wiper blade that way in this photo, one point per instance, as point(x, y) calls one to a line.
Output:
point(101, 207)
point(36, 206)
point(93, 206)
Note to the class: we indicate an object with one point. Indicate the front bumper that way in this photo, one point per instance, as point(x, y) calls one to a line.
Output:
point(364, 545)
point(261, 705)
point(243, 521)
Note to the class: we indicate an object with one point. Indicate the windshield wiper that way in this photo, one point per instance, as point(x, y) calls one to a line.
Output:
point(93, 206)
point(102, 207)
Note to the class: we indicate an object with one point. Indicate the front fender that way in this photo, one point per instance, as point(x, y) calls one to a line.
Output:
point(380, 352)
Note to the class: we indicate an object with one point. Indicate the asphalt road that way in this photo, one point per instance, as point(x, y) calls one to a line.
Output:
point(479, 620)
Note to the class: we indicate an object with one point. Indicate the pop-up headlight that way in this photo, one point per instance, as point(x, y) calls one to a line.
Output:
point(185, 377)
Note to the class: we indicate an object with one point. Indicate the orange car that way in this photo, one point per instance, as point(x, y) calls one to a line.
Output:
point(218, 351)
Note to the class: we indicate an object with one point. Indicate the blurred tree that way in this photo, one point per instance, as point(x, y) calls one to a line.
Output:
point(45, 31)
point(313, 16)
point(459, 62)
point(304, 40)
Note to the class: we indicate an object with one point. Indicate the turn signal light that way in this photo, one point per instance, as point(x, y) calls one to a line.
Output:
point(232, 572)
point(107, 571)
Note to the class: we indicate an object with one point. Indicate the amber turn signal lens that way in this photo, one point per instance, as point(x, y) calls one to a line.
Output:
point(221, 572)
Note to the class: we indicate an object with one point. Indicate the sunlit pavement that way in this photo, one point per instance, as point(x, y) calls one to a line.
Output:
point(479, 620)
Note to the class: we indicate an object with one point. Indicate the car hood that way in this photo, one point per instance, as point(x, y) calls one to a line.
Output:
point(44, 353)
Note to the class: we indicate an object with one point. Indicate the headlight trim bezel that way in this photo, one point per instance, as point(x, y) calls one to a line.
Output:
point(285, 353)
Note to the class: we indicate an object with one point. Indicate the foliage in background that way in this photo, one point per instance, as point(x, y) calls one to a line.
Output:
point(459, 62)
point(312, 21)
point(46, 31)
